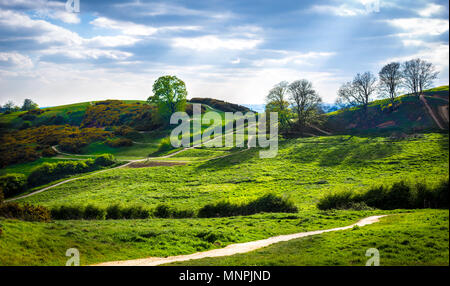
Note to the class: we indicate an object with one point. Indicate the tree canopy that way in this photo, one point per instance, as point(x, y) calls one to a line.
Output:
point(169, 94)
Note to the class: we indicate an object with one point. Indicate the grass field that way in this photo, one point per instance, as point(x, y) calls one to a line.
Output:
point(414, 239)
point(305, 169)
point(35, 243)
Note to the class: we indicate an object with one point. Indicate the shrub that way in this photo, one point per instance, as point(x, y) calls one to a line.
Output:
point(105, 160)
point(67, 212)
point(266, 203)
point(2, 197)
point(119, 142)
point(93, 212)
point(48, 172)
point(400, 195)
point(13, 184)
point(165, 211)
point(25, 212)
point(165, 145)
point(134, 212)
point(113, 212)
point(48, 152)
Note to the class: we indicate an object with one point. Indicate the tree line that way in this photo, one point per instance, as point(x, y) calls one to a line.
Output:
point(299, 105)
point(10, 106)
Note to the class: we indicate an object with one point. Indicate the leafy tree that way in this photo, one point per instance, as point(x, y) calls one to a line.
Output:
point(28, 104)
point(277, 102)
point(10, 107)
point(305, 102)
point(169, 94)
point(390, 80)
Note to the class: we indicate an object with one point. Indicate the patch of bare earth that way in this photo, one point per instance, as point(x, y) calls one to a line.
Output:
point(386, 124)
point(146, 164)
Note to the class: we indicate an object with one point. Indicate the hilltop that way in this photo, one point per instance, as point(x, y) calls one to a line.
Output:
point(409, 114)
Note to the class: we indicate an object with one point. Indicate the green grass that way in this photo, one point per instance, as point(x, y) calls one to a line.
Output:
point(26, 168)
point(305, 169)
point(415, 239)
point(35, 243)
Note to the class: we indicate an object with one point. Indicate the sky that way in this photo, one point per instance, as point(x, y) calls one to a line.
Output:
point(232, 50)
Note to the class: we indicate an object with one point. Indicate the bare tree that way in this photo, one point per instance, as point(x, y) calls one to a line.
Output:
point(427, 74)
point(359, 91)
point(365, 85)
point(305, 102)
point(390, 80)
point(411, 74)
point(277, 102)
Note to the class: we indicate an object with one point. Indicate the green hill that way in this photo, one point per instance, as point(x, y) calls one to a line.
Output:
point(409, 115)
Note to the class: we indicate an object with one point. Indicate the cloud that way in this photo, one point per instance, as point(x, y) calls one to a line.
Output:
point(127, 28)
point(293, 58)
point(51, 39)
point(212, 42)
point(133, 29)
point(414, 27)
point(15, 59)
point(167, 9)
point(342, 10)
point(430, 10)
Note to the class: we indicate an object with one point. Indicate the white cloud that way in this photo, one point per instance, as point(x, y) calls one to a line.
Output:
point(419, 26)
point(66, 17)
point(15, 60)
point(212, 42)
point(293, 58)
point(133, 29)
point(236, 61)
point(127, 28)
point(112, 41)
point(342, 10)
point(430, 10)
point(60, 41)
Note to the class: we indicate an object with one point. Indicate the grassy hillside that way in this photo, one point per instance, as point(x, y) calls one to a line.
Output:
point(304, 169)
point(414, 239)
point(407, 115)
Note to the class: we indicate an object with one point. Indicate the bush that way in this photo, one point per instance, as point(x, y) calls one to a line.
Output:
point(165, 211)
point(48, 152)
point(67, 212)
point(400, 195)
point(2, 197)
point(24, 212)
point(105, 160)
point(119, 142)
point(165, 145)
point(266, 203)
point(93, 212)
point(13, 184)
point(48, 172)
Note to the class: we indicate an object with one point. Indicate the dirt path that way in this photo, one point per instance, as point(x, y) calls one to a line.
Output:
point(443, 112)
point(234, 248)
point(431, 112)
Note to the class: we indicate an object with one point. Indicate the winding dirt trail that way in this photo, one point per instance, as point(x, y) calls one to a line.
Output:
point(234, 248)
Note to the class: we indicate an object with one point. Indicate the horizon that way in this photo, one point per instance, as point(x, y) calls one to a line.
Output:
point(228, 50)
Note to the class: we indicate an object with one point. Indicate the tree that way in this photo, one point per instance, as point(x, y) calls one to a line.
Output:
point(305, 102)
point(169, 94)
point(28, 104)
point(390, 80)
point(411, 74)
point(10, 107)
point(357, 92)
point(365, 86)
point(427, 74)
point(277, 102)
